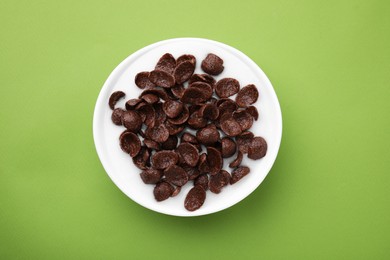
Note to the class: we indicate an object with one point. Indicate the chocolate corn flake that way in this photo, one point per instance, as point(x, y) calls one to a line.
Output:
point(212, 64)
point(195, 198)
point(114, 98)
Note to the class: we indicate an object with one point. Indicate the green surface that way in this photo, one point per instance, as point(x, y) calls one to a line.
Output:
point(327, 196)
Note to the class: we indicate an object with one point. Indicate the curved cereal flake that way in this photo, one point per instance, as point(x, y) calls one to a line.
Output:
point(257, 148)
point(239, 173)
point(114, 98)
point(208, 135)
point(247, 96)
point(175, 175)
point(192, 172)
point(244, 119)
point(178, 90)
point(142, 159)
point(236, 162)
point(166, 63)
point(161, 93)
point(116, 116)
point(193, 96)
point(172, 108)
point(151, 176)
point(227, 87)
point(163, 191)
point(189, 138)
point(132, 121)
point(188, 154)
point(195, 198)
point(132, 103)
point(183, 71)
point(150, 98)
point(186, 57)
point(160, 116)
point(206, 78)
point(130, 143)
point(209, 111)
point(230, 127)
point(162, 79)
point(212, 64)
point(157, 133)
point(203, 165)
point(206, 89)
point(228, 148)
point(173, 129)
point(148, 114)
point(202, 180)
point(214, 160)
point(181, 118)
point(252, 110)
point(170, 143)
point(218, 181)
point(163, 159)
point(151, 144)
point(243, 141)
point(142, 80)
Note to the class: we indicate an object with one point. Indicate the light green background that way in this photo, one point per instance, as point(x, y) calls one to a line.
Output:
point(327, 196)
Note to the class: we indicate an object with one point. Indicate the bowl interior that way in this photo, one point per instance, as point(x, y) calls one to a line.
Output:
point(119, 165)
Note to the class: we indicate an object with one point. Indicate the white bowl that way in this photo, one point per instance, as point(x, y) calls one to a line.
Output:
point(119, 165)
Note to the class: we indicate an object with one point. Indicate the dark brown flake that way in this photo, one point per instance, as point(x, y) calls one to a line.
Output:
point(202, 180)
point(132, 121)
point(157, 133)
point(150, 98)
point(209, 111)
point(183, 71)
point(186, 57)
point(252, 110)
point(151, 176)
point(170, 143)
point(238, 174)
point(212, 64)
point(181, 118)
point(188, 154)
point(114, 98)
point(243, 141)
point(214, 160)
point(236, 162)
point(166, 63)
point(142, 159)
point(142, 80)
point(218, 181)
point(162, 79)
point(151, 144)
point(247, 96)
point(195, 198)
point(244, 119)
point(229, 147)
point(116, 116)
point(172, 108)
point(230, 126)
point(257, 148)
point(208, 135)
point(176, 175)
point(163, 159)
point(173, 129)
point(163, 191)
point(206, 78)
point(227, 87)
point(130, 143)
